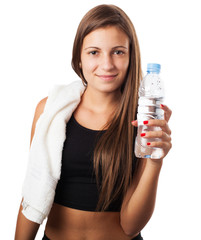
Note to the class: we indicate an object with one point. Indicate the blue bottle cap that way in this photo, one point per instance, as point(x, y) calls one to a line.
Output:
point(153, 67)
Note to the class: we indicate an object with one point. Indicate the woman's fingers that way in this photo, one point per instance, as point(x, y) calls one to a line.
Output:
point(162, 131)
point(167, 112)
point(157, 134)
point(134, 123)
point(167, 115)
point(166, 146)
point(163, 135)
point(159, 123)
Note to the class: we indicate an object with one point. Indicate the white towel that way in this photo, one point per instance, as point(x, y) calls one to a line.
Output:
point(44, 165)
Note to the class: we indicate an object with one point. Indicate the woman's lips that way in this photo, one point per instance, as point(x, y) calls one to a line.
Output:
point(107, 77)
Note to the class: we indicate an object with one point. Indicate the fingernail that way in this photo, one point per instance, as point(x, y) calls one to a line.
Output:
point(143, 134)
point(148, 144)
point(145, 122)
point(133, 122)
point(162, 105)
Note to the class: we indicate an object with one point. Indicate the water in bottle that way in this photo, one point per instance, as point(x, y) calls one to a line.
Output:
point(151, 95)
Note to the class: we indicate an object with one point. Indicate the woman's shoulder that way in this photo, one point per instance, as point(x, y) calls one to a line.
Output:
point(40, 108)
point(38, 111)
point(41, 105)
point(62, 92)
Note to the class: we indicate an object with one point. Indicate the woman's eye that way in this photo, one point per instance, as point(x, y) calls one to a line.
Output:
point(93, 52)
point(118, 52)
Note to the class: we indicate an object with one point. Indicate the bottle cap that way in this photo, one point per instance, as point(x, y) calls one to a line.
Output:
point(153, 67)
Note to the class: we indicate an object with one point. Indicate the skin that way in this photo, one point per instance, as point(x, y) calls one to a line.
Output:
point(104, 62)
point(138, 205)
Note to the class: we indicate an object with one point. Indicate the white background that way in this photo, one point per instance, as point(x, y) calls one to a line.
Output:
point(36, 39)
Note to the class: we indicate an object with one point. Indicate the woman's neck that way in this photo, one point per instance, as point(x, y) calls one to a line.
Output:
point(100, 102)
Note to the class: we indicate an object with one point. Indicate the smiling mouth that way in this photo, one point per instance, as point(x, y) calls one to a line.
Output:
point(107, 77)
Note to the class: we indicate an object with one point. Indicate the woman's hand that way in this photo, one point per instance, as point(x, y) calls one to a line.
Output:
point(164, 135)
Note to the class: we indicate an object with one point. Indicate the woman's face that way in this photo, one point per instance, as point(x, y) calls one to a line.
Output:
point(105, 58)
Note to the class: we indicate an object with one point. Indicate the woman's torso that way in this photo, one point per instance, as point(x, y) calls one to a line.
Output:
point(68, 223)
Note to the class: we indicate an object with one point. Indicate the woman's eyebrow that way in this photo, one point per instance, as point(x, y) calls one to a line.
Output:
point(120, 47)
point(92, 47)
point(112, 48)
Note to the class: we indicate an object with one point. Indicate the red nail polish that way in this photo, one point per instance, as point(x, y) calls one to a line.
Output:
point(143, 134)
point(162, 105)
point(148, 144)
point(145, 122)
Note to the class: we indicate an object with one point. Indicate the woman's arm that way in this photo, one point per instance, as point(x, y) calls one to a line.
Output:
point(26, 229)
point(139, 202)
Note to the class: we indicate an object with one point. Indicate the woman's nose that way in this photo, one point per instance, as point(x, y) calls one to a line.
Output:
point(107, 63)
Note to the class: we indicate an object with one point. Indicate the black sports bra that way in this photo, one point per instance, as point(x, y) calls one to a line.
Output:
point(77, 186)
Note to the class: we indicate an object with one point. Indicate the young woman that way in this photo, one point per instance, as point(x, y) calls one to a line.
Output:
point(103, 191)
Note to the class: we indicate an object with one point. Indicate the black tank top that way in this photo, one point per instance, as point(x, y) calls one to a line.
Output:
point(77, 186)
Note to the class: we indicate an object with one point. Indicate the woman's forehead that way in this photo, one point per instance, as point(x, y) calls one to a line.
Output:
point(110, 35)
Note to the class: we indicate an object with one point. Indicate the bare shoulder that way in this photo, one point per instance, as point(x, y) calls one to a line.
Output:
point(38, 111)
point(40, 106)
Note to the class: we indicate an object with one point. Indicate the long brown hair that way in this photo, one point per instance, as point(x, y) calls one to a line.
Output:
point(114, 152)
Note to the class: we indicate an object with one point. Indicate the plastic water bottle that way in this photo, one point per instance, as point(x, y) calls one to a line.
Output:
point(151, 95)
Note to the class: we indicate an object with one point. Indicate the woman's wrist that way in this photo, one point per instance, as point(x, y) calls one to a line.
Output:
point(156, 163)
